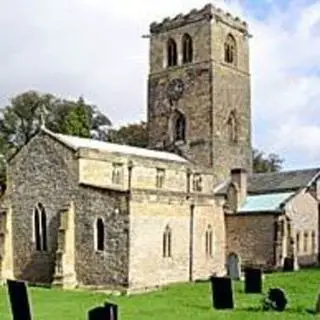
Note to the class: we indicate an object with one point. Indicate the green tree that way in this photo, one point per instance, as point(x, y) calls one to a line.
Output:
point(266, 163)
point(135, 134)
point(21, 119)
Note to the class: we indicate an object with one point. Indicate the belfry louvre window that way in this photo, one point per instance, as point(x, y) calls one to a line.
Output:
point(209, 241)
point(117, 173)
point(40, 228)
point(166, 245)
point(187, 49)
point(99, 235)
point(160, 178)
point(197, 182)
point(230, 50)
point(172, 55)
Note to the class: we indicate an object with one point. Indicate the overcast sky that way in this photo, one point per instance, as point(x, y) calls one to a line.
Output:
point(94, 48)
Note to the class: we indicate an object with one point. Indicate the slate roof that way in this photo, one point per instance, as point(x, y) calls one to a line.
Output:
point(76, 143)
point(284, 181)
point(265, 202)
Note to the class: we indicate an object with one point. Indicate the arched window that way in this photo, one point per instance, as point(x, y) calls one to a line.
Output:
point(40, 228)
point(187, 49)
point(298, 242)
point(209, 241)
point(313, 242)
point(172, 55)
point(230, 50)
point(99, 235)
point(305, 242)
point(167, 242)
point(232, 128)
point(180, 127)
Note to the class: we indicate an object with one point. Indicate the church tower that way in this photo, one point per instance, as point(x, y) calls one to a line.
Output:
point(199, 89)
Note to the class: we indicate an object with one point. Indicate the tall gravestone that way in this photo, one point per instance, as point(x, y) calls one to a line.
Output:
point(253, 280)
point(233, 266)
point(19, 300)
point(222, 295)
point(108, 312)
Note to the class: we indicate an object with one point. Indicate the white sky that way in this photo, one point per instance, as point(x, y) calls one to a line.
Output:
point(94, 48)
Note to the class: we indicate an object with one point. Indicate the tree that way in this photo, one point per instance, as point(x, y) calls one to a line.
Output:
point(21, 119)
point(135, 134)
point(266, 163)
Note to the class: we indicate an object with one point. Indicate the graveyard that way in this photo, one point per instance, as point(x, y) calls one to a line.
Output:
point(179, 301)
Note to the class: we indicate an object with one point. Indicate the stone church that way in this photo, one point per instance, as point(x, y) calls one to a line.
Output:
point(86, 213)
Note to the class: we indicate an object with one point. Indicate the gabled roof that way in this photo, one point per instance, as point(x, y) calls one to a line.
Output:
point(285, 181)
point(265, 202)
point(77, 143)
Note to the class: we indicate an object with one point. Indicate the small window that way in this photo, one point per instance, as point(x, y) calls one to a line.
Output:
point(167, 236)
point(40, 228)
point(232, 128)
point(99, 235)
point(197, 182)
point(298, 242)
point(117, 173)
point(313, 242)
point(305, 242)
point(187, 49)
point(209, 241)
point(172, 55)
point(230, 50)
point(160, 178)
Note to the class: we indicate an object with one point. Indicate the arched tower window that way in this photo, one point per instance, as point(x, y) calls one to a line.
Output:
point(99, 235)
point(167, 235)
point(172, 55)
point(232, 127)
point(187, 48)
point(209, 241)
point(230, 50)
point(40, 228)
point(179, 127)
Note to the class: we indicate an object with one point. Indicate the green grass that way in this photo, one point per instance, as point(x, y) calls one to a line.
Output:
point(184, 301)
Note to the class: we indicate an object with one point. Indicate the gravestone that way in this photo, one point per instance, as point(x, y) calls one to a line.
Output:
point(222, 295)
point(233, 266)
point(288, 264)
point(19, 300)
point(108, 312)
point(276, 300)
point(253, 280)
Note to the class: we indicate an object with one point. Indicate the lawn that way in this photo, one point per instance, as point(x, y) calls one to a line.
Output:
point(185, 302)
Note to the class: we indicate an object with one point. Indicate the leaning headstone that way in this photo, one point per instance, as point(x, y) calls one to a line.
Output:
point(222, 295)
point(233, 266)
point(108, 312)
point(276, 300)
point(288, 264)
point(253, 280)
point(19, 300)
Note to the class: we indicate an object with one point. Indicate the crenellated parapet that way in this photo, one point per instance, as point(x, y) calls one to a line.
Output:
point(208, 12)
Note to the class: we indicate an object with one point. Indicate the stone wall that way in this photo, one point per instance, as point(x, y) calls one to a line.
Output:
point(108, 267)
point(304, 213)
point(46, 172)
point(150, 213)
point(42, 172)
point(251, 236)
